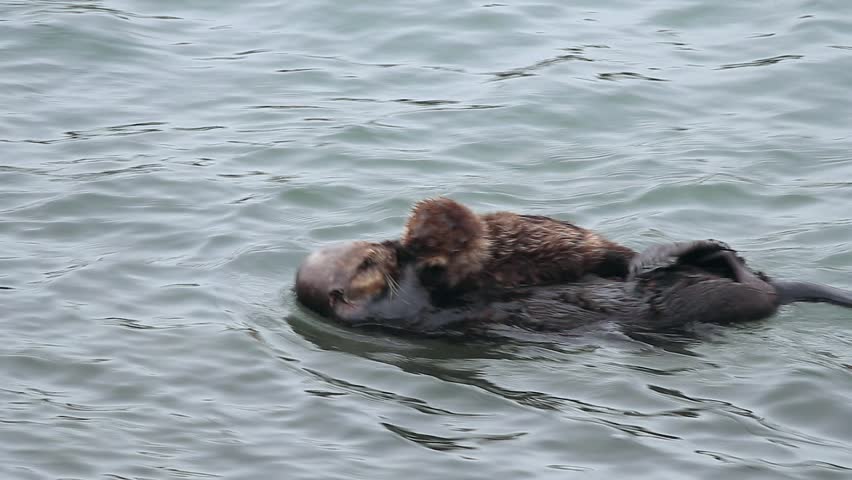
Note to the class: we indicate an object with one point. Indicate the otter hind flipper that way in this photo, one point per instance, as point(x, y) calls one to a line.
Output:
point(667, 254)
point(791, 292)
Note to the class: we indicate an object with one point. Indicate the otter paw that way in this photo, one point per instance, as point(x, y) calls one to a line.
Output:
point(667, 254)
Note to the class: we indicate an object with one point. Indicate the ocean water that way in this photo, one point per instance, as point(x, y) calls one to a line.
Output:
point(165, 166)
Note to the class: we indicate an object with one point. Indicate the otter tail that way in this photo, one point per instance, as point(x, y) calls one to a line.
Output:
point(790, 292)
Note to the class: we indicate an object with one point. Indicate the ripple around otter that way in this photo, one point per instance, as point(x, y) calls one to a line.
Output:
point(166, 166)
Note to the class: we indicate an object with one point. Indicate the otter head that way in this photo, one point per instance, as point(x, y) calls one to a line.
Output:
point(449, 241)
point(342, 281)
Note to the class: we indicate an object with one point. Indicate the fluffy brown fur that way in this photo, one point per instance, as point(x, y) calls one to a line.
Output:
point(456, 248)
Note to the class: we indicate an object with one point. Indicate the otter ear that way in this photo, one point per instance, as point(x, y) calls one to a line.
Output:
point(392, 244)
point(403, 254)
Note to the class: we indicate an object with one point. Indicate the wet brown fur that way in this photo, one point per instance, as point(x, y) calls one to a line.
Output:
point(460, 249)
point(373, 274)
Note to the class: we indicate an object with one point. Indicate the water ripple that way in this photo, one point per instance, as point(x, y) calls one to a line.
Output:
point(166, 166)
point(762, 62)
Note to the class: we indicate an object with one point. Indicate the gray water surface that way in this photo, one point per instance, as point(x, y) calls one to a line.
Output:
point(165, 166)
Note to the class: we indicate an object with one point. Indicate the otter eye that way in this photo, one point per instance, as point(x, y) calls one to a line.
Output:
point(367, 263)
point(336, 295)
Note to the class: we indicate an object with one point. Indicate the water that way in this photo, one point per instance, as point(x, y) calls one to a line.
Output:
point(166, 165)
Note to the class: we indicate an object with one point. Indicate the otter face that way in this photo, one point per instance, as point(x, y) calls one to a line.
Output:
point(342, 281)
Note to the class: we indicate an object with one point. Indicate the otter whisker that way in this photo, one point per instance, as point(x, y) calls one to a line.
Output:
point(393, 286)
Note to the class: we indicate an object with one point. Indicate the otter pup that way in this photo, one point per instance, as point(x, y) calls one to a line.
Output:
point(456, 249)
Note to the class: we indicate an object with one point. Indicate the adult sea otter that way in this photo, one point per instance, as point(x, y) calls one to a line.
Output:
point(670, 285)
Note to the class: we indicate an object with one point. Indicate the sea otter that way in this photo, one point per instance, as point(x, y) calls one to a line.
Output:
point(456, 249)
point(668, 286)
